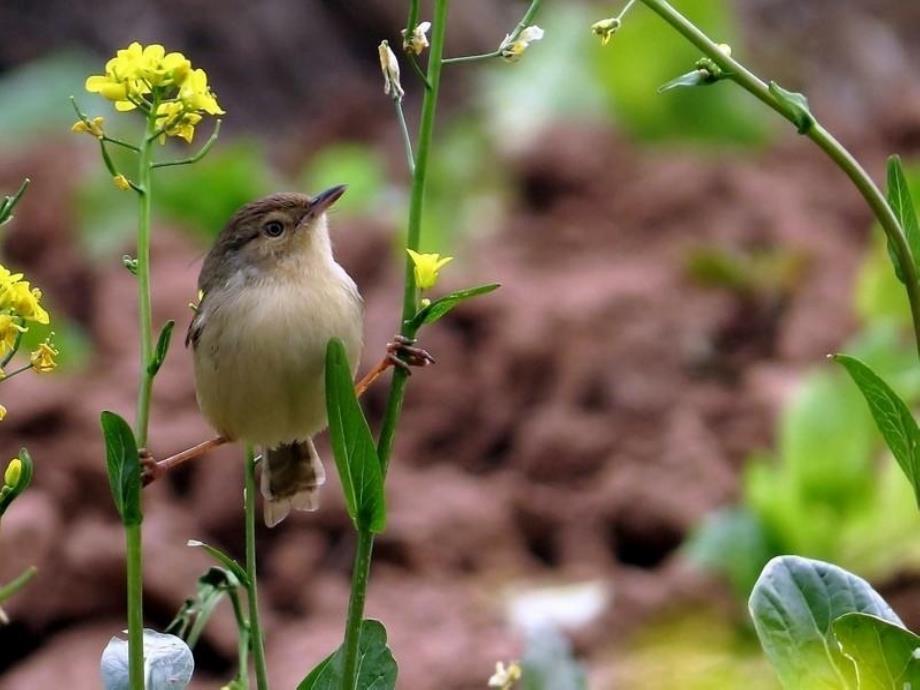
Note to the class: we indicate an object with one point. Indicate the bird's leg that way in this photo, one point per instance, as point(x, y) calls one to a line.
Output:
point(401, 353)
point(152, 470)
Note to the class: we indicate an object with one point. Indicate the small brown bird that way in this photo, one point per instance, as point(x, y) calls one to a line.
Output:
point(272, 297)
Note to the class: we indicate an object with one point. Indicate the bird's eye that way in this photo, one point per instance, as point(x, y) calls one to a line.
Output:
point(274, 228)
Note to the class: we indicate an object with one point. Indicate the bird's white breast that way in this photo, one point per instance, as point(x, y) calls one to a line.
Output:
point(260, 358)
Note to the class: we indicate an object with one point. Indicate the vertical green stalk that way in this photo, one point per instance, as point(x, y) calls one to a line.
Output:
point(416, 208)
point(844, 160)
point(365, 546)
point(133, 544)
point(256, 640)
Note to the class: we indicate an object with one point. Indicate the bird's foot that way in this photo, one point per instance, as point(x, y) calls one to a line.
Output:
point(151, 470)
point(402, 353)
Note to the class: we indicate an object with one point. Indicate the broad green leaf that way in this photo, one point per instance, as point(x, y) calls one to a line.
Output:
point(885, 655)
point(352, 444)
point(902, 203)
point(124, 468)
point(794, 604)
point(228, 562)
point(377, 669)
point(796, 107)
point(162, 348)
point(892, 416)
point(442, 306)
point(8, 494)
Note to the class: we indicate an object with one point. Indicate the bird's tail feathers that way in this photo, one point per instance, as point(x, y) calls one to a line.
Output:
point(291, 477)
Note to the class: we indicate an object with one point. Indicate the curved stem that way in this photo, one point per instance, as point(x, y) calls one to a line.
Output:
point(820, 136)
point(257, 642)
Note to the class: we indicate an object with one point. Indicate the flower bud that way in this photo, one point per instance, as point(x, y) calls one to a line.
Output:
point(606, 28)
point(389, 65)
point(416, 42)
point(13, 473)
point(121, 182)
point(513, 48)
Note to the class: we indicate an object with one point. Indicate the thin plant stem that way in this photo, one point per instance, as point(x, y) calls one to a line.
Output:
point(416, 207)
point(629, 5)
point(365, 545)
point(257, 643)
point(359, 577)
point(202, 152)
point(13, 587)
point(16, 343)
point(526, 21)
point(135, 579)
point(406, 137)
point(16, 372)
point(820, 136)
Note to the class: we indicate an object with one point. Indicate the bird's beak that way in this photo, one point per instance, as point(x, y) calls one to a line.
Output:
point(322, 201)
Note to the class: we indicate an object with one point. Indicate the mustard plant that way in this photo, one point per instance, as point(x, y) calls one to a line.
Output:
point(172, 99)
point(820, 625)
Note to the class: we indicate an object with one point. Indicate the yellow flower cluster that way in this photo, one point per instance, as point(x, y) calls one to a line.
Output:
point(155, 81)
point(19, 303)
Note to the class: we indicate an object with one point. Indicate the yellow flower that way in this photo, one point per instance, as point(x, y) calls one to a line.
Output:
point(195, 94)
point(606, 28)
point(513, 49)
point(158, 68)
point(121, 182)
point(505, 677)
point(25, 302)
point(427, 268)
point(389, 65)
point(176, 121)
point(2, 413)
point(93, 127)
point(43, 358)
point(416, 42)
point(9, 333)
point(13, 473)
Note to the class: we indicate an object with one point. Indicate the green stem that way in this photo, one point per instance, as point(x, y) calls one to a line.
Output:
point(11, 588)
point(404, 131)
point(256, 640)
point(526, 21)
point(135, 581)
point(416, 207)
point(820, 136)
point(359, 578)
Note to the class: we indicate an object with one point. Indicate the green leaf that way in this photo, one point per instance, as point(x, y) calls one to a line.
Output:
point(902, 203)
point(794, 604)
point(795, 106)
point(892, 417)
point(884, 654)
point(227, 561)
point(442, 306)
point(698, 77)
point(377, 669)
point(124, 468)
point(352, 444)
point(162, 348)
point(9, 202)
point(210, 589)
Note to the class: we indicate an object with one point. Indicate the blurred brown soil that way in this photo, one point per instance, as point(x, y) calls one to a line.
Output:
point(578, 423)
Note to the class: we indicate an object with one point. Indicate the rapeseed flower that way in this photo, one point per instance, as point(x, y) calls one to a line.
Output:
point(427, 268)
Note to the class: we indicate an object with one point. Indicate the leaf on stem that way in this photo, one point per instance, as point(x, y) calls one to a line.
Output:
point(377, 667)
point(9, 202)
point(442, 306)
point(124, 468)
point(227, 561)
point(795, 106)
point(794, 604)
point(902, 203)
point(892, 417)
point(210, 589)
point(162, 348)
point(885, 654)
point(352, 444)
point(698, 77)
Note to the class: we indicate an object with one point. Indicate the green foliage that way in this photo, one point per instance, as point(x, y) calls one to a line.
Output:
point(9, 202)
point(794, 604)
point(645, 54)
point(357, 164)
point(196, 611)
point(8, 494)
point(124, 468)
point(353, 445)
point(442, 306)
point(795, 106)
point(883, 653)
point(162, 348)
point(892, 416)
point(377, 667)
point(901, 201)
point(227, 561)
point(198, 197)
